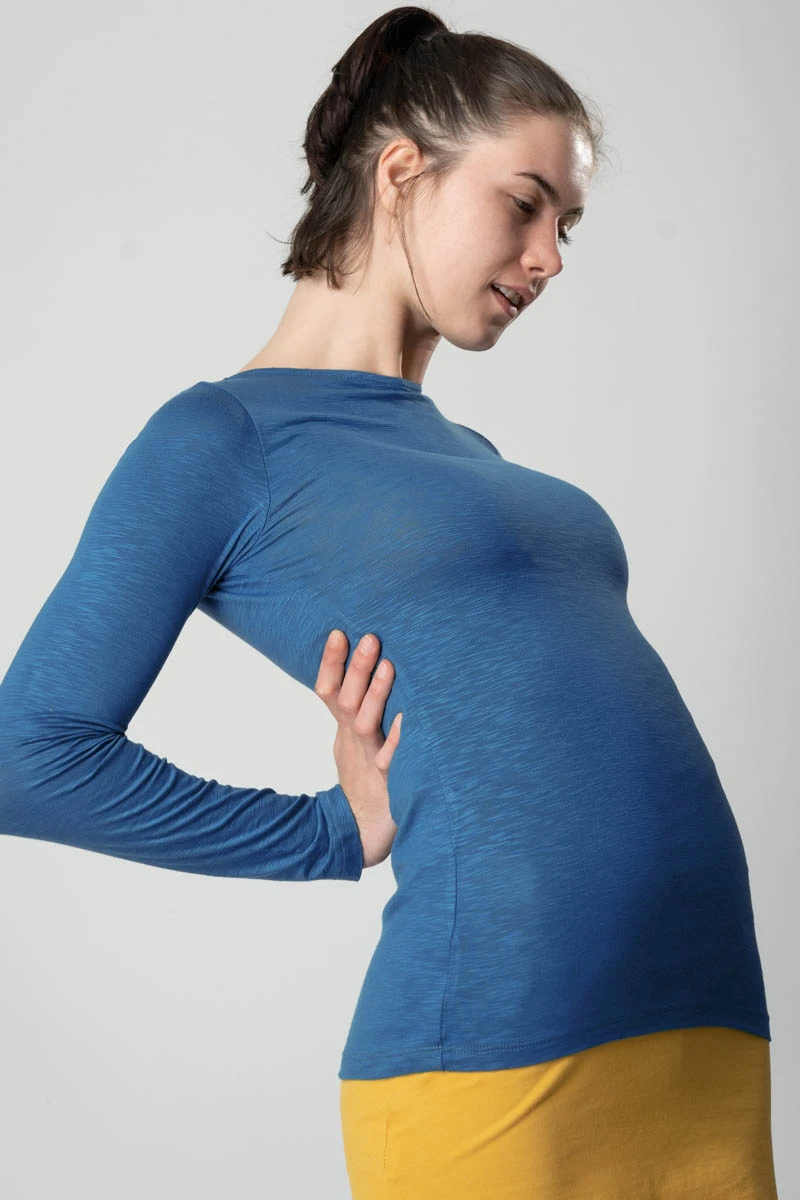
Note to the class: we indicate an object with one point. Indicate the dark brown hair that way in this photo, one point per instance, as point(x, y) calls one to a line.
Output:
point(408, 75)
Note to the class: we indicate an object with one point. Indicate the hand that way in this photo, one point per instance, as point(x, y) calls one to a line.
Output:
point(361, 752)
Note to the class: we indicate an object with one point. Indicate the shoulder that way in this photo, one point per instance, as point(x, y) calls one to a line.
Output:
point(202, 428)
point(199, 448)
point(203, 414)
point(480, 437)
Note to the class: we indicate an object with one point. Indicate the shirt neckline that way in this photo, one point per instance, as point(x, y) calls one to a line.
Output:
point(370, 378)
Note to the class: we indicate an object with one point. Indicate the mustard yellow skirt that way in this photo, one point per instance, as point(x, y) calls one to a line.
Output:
point(681, 1114)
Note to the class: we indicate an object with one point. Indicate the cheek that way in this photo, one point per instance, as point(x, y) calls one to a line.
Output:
point(461, 269)
point(463, 253)
point(460, 241)
point(471, 251)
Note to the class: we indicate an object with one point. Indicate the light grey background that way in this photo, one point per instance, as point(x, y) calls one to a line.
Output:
point(179, 1035)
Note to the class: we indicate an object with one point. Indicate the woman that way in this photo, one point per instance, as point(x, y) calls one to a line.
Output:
point(566, 999)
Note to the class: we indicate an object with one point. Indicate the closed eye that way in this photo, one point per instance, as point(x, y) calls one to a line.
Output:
point(564, 238)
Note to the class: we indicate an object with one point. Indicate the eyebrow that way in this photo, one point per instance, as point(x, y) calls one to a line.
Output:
point(549, 190)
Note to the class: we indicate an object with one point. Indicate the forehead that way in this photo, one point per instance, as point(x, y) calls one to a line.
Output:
point(549, 147)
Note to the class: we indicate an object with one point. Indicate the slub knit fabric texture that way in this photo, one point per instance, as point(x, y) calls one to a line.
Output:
point(568, 868)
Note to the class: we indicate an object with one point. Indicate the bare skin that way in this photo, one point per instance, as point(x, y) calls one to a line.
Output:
point(357, 700)
point(461, 239)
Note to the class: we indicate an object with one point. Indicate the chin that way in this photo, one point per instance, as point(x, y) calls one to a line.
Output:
point(479, 337)
point(483, 339)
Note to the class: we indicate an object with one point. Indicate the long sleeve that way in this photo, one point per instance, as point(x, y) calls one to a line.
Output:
point(188, 498)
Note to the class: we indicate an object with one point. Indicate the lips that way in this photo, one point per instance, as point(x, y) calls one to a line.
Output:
point(524, 292)
point(505, 303)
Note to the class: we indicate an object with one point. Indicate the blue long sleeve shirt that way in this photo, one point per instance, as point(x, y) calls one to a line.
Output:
point(568, 868)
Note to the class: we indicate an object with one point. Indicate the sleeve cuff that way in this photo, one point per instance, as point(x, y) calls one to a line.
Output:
point(347, 855)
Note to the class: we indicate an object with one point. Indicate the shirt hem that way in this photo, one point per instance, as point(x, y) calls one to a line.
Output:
point(496, 1056)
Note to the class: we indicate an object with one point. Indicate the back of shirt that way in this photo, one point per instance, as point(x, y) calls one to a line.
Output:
point(568, 868)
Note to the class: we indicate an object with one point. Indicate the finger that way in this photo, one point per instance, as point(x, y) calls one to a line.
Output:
point(369, 716)
point(331, 668)
point(384, 756)
point(358, 677)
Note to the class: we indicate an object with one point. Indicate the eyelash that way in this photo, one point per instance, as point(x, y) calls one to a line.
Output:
point(564, 238)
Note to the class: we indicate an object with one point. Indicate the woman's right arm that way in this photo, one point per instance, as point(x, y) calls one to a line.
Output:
point(186, 500)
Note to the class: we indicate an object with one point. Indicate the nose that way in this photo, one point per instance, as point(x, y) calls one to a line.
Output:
point(542, 258)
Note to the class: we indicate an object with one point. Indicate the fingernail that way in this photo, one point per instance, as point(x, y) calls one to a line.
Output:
point(367, 643)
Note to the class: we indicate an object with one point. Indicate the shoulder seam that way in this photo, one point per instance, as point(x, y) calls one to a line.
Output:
point(246, 410)
point(482, 437)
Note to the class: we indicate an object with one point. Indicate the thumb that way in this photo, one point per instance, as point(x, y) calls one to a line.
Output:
point(386, 752)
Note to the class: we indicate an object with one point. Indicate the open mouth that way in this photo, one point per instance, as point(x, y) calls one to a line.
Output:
point(508, 307)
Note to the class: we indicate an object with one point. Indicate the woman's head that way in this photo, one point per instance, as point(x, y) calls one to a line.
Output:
point(417, 148)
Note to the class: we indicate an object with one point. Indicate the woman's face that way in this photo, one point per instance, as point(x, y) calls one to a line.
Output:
point(490, 222)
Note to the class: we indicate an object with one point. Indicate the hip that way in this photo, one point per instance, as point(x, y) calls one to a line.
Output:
point(680, 1112)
